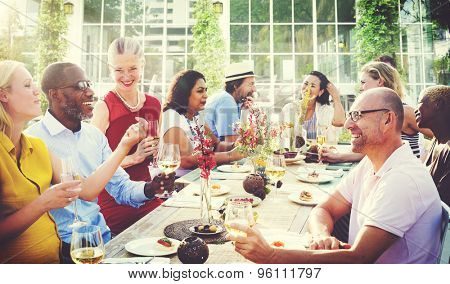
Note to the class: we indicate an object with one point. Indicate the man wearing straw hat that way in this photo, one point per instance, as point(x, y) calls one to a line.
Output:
point(224, 109)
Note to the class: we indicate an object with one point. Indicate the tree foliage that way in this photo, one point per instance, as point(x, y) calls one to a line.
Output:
point(52, 46)
point(377, 30)
point(208, 45)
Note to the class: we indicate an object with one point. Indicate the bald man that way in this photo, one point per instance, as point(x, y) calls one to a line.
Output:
point(434, 112)
point(395, 209)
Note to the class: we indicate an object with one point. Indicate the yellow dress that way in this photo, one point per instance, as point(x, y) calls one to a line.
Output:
point(21, 183)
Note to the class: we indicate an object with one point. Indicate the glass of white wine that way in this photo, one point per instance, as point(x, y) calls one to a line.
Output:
point(69, 172)
point(87, 245)
point(275, 170)
point(168, 161)
point(238, 212)
point(322, 135)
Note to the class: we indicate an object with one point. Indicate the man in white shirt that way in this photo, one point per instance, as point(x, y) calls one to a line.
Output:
point(395, 209)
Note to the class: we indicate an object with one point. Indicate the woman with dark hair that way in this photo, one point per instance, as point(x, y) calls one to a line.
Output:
point(185, 99)
point(320, 113)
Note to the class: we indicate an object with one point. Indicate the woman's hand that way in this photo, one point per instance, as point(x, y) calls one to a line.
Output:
point(334, 92)
point(60, 195)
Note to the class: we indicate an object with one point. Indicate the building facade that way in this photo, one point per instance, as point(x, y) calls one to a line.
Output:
point(283, 39)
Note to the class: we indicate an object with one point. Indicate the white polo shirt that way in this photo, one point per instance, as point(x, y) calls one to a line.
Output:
point(401, 199)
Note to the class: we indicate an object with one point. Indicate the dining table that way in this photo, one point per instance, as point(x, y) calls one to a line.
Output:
point(280, 217)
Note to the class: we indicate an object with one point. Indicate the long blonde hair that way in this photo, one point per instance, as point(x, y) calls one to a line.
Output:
point(389, 75)
point(7, 69)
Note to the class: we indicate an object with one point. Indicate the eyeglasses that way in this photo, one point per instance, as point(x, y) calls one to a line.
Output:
point(82, 85)
point(357, 114)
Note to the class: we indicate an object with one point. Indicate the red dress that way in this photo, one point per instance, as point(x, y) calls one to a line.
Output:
point(119, 217)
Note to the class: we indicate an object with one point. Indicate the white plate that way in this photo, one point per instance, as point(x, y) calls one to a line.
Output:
point(219, 230)
point(298, 158)
point(150, 247)
point(224, 189)
point(317, 197)
point(322, 178)
point(234, 168)
point(256, 200)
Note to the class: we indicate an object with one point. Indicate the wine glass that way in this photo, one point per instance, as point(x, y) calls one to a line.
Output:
point(238, 212)
point(275, 169)
point(69, 172)
point(87, 246)
point(168, 161)
point(153, 132)
point(321, 135)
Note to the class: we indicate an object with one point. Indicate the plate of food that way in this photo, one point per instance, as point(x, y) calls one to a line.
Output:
point(206, 230)
point(307, 197)
point(153, 246)
point(314, 177)
point(235, 168)
point(216, 189)
point(255, 201)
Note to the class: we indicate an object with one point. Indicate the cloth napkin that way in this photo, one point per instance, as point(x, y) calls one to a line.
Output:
point(337, 173)
point(188, 201)
point(228, 176)
point(136, 260)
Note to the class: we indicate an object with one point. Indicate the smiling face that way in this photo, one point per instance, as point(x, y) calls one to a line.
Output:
point(367, 82)
point(197, 99)
point(76, 103)
point(21, 99)
point(365, 131)
point(126, 71)
point(312, 82)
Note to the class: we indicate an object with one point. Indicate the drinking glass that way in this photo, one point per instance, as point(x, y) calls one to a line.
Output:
point(153, 132)
point(69, 172)
point(87, 246)
point(275, 170)
point(168, 161)
point(238, 212)
point(321, 135)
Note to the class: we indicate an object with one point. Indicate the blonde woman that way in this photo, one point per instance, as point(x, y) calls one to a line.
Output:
point(27, 232)
point(380, 74)
point(114, 114)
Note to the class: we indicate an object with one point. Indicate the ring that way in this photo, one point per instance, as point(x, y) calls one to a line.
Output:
point(70, 199)
point(162, 183)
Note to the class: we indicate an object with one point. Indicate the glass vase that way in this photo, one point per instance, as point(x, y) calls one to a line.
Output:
point(205, 199)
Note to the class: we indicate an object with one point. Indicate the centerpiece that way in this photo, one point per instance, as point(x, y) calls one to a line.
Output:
point(204, 150)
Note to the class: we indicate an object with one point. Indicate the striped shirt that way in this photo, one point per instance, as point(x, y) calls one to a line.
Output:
point(413, 141)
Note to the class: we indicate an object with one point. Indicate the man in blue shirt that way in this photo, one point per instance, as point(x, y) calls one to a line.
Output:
point(71, 101)
point(224, 109)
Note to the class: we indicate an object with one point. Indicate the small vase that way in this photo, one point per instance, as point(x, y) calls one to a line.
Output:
point(205, 199)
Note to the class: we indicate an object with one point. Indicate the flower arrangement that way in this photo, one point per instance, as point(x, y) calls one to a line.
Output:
point(203, 149)
point(257, 136)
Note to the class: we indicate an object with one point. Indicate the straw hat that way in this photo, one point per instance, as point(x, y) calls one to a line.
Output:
point(237, 71)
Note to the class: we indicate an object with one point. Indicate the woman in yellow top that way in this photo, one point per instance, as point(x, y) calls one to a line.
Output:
point(27, 232)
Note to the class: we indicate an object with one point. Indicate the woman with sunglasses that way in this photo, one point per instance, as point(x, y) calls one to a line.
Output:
point(379, 74)
point(114, 114)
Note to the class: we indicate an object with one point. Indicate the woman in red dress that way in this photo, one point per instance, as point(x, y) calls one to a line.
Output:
point(114, 114)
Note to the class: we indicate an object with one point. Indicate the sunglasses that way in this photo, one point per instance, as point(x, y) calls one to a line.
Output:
point(82, 85)
point(357, 114)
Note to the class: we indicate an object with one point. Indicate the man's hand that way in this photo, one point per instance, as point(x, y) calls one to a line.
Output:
point(325, 242)
point(248, 102)
point(135, 133)
point(253, 247)
point(159, 184)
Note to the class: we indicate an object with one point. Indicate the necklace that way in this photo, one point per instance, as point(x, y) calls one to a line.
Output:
point(125, 102)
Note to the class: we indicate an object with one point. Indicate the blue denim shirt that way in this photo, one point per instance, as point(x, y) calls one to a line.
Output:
point(89, 148)
point(221, 112)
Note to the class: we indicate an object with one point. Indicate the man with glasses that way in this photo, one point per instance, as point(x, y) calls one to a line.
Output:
point(394, 206)
point(224, 109)
point(71, 101)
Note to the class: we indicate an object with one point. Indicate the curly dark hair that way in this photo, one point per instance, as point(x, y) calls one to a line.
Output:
point(180, 90)
point(324, 99)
